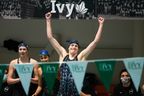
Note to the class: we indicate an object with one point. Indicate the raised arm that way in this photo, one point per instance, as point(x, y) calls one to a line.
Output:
point(60, 50)
point(84, 54)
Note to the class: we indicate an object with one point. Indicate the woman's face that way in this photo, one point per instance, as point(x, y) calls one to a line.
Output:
point(125, 74)
point(73, 48)
point(125, 78)
point(23, 51)
point(44, 58)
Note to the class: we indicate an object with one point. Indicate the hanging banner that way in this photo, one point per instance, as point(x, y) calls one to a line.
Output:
point(106, 70)
point(69, 9)
point(78, 69)
point(2, 72)
point(135, 68)
point(61, 9)
point(25, 72)
point(50, 72)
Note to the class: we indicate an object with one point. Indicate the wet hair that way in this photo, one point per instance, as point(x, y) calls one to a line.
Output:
point(22, 44)
point(73, 41)
point(44, 52)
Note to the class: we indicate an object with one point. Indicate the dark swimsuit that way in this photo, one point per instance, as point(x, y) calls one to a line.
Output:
point(18, 89)
point(67, 85)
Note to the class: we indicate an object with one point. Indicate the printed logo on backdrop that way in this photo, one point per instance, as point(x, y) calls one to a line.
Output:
point(78, 70)
point(25, 72)
point(135, 68)
point(72, 9)
point(75, 9)
point(50, 72)
point(69, 9)
point(106, 70)
point(80, 8)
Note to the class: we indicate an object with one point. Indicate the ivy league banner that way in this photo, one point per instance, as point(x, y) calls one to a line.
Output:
point(50, 72)
point(106, 70)
point(70, 9)
point(78, 69)
point(61, 9)
point(2, 72)
point(25, 72)
point(135, 68)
